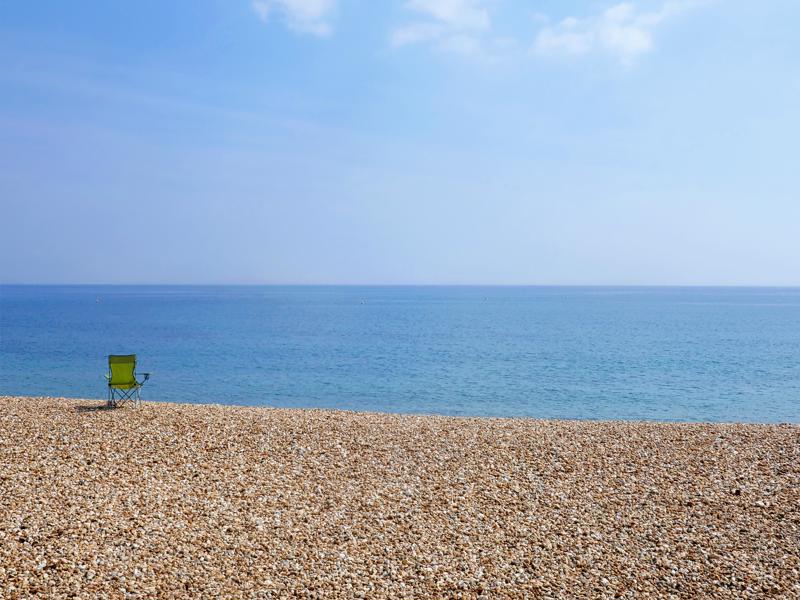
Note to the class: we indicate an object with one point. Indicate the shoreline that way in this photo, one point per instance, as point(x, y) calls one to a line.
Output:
point(100, 401)
point(261, 502)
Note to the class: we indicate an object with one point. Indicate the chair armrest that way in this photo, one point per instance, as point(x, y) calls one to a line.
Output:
point(146, 376)
point(107, 376)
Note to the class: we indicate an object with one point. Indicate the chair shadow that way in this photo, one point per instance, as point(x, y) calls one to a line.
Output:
point(102, 407)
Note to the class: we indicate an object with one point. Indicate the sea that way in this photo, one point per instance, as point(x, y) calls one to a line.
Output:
point(639, 353)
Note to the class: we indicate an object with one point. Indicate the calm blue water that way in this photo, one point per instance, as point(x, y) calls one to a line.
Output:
point(710, 354)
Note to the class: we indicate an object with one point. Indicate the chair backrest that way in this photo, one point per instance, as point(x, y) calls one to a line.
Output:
point(122, 368)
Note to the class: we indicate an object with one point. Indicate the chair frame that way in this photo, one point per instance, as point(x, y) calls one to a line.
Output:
point(119, 396)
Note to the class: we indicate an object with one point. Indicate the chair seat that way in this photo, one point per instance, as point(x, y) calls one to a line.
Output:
point(124, 386)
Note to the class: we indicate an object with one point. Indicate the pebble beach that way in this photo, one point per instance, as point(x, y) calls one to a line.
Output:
point(210, 501)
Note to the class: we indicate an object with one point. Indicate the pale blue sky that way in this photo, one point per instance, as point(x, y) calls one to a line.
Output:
point(401, 141)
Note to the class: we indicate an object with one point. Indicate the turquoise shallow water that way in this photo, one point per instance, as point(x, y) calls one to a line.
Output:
point(688, 354)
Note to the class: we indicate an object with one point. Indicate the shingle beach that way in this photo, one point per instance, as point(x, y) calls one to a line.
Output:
point(206, 501)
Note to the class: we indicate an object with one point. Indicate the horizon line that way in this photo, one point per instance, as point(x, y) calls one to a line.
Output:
point(498, 285)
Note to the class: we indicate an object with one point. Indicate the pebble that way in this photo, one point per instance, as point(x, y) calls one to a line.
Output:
point(202, 501)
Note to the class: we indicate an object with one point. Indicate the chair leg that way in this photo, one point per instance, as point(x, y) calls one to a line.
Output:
point(131, 395)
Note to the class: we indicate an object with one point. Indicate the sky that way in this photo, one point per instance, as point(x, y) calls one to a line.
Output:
point(650, 142)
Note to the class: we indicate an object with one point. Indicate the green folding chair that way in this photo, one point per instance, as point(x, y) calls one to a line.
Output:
point(122, 383)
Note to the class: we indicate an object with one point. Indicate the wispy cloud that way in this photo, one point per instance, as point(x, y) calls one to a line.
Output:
point(304, 16)
point(458, 14)
point(454, 25)
point(622, 31)
point(415, 33)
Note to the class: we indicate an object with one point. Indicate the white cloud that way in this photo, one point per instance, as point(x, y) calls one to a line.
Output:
point(465, 45)
point(456, 26)
point(458, 14)
point(415, 33)
point(262, 9)
point(624, 30)
point(305, 16)
point(621, 30)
